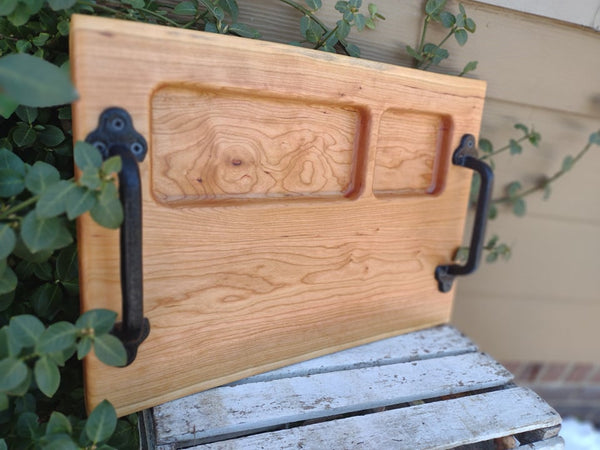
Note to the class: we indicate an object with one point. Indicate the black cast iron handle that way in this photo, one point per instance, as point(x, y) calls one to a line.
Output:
point(466, 156)
point(115, 136)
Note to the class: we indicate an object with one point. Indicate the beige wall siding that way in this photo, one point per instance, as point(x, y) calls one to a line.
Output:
point(544, 304)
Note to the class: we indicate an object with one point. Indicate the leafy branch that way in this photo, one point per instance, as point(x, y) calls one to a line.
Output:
point(515, 194)
point(459, 25)
point(321, 37)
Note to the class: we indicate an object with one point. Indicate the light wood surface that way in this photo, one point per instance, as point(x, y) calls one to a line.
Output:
point(421, 390)
point(273, 229)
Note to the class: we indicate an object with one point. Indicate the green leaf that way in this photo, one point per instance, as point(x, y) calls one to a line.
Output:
point(491, 257)
point(492, 242)
point(23, 46)
point(101, 423)
point(372, 9)
point(11, 183)
point(108, 212)
point(19, 16)
point(58, 337)
point(515, 147)
point(43, 271)
point(86, 155)
point(547, 191)
point(230, 7)
point(31, 81)
point(67, 265)
point(436, 53)
point(519, 207)
point(46, 300)
point(79, 201)
point(522, 127)
point(493, 212)
point(186, 8)
point(341, 6)
point(28, 425)
point(485, 146)
point(40, 176)
point(461, 37)
point(135, 3)
point(25, 254)
point(343, 29)
point(57, 5)
point(513, 188)
point(412, 52)
point(470, 25)
point(8, 160)
point(567, 163)
point(58, 423)
point(8, 239)
point(447, 19)
point(27, 114)
point(313, 4)
point(595, 138)
point(101, 320)
point(8, 280)
point(462, 9)
point(7, 105)
point(469, 67)
point(4, 403)
point(51, 136)
point(7, 7)
point(359, 21)
point(14, 372)
point(110, 350)
point(41, 39)
point(23, 135)
point(216, 11)
point(84, 346)
point(353, 50)
point(44, 234)
point(25, 329)
point(52, 202)
point(434, 7)
point(535, 138)
point(243, 30)
point(63, 27)
point(90, 178)
point(47, 376)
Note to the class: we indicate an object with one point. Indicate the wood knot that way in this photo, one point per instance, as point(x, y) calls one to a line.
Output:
point(236, 162)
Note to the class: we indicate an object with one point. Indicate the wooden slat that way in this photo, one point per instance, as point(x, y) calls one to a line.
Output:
point(430, 343)
point(273, 231)
point(240, 410)
point(437, 425)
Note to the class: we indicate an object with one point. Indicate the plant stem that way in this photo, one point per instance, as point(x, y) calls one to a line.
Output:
point(325, 37)
point(552, 179)
point(19, 207)
point(506, 147)
point(423, 33)
point(429, 59)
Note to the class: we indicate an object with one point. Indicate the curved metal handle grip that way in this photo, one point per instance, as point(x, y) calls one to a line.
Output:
point(466, 156)
point(115, 136)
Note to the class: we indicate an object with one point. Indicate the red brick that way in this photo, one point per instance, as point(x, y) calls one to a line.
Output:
point(553, 373)
point(580, 373)
point(530, 372)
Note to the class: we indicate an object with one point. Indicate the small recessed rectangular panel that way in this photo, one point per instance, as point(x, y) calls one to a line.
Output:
point(412, 153)
point(214, 146)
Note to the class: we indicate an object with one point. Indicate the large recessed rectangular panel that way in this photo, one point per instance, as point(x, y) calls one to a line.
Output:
point(295, 202)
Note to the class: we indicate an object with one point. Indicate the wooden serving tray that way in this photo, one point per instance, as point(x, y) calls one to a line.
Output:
point(295, 202)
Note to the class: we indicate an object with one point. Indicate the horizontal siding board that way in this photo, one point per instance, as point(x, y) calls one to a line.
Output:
point(512, 48)
point(235, 410)
point(436, 425)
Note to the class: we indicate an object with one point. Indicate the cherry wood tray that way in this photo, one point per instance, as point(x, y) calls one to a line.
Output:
point(295, 202)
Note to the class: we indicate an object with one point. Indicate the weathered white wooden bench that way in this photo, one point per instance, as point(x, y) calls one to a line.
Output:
point(430, 389)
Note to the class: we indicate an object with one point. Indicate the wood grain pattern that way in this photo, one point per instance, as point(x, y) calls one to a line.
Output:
point(237, 279)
